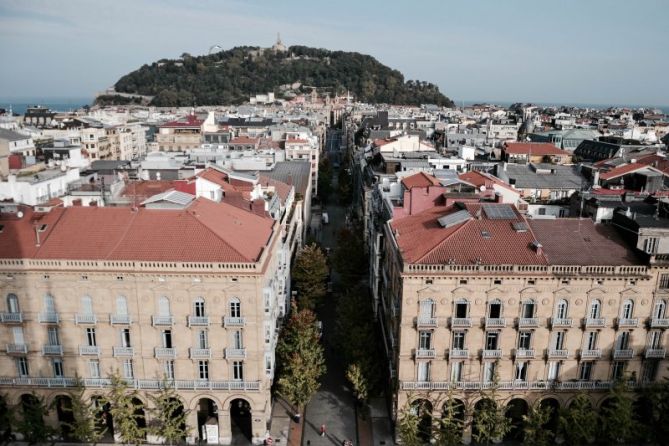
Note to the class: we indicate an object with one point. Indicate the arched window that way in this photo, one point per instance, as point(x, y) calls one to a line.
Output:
point(660, 309)
point(164, 306)
point(13, 303)
point(86, 305)
point(528, 309)
point(461, 308)
point(235, 307)
point(495, 309)
point(49, 304)
point(426, 309)
point(627, 310)
point(595, 309)
point(198, 307)
point(562, 309)
point(121, 306)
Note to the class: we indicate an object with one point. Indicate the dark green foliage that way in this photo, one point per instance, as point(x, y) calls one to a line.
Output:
point(350, 258)
point(324, 179)
point(617, 415)
point(490, 421)
point(168, 419)
point(534, 426)
point(126, 412)
point(116, 99)
point(6, 420)
point(578, 422)
point(654, 412)
point(86, 423)
point(31, 424)
point(309, 274)
point(448, 428)
point(408, 427)
point(230, 77)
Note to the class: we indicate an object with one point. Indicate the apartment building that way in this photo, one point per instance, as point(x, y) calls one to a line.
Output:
point(472, 292)
point(127, 141)
point(96, 144)
point(180, 135)
point(186, 295)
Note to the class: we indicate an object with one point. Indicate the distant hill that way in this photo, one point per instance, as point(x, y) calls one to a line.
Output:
point(230, 77)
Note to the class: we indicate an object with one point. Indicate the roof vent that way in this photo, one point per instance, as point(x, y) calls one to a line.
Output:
point(486, 234)
point(519, 226)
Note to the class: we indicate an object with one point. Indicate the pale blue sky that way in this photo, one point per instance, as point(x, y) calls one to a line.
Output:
point(571, 51)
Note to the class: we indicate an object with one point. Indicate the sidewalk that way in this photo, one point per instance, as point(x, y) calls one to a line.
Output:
point(382, 429)
point(283, 430)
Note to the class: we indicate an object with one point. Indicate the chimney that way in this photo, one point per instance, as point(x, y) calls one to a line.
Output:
point(538, 247)
point(595, 178)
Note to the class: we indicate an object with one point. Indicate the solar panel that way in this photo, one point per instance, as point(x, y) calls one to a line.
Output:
point(520, 226)
point(454, 219)
point(499, 212)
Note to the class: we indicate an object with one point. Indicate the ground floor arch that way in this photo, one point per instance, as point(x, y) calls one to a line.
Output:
point(207, 419)
point(516, 409)
point(63, 406)
point(241, 422)
point(554, 419)
point(423, 409)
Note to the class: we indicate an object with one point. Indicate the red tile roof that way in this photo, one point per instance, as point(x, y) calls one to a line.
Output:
point(281, 188)
point(478, 179)
point(190, 121)
point(244, 140)
point(533, 148)
point(204, 232)
point(383, 142)
point(143, 189)
point(420, 179)
point(296, 141)
point(227, 184)
point(622, 170)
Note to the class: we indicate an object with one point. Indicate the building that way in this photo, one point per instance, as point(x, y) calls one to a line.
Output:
point(180, 135)
point(186, 294)
point(472, 293)
point(534, 152)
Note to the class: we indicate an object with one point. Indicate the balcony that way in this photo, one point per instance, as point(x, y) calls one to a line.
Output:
point(162, 320)
point(628, 322)
point(659, 323)
point(487, 354)
point(457, 353)
point(461, 322)
point(426, 322)
point(558, 353)
point(590, 322)
point(426, 353)
point(626, 353)
point(524, 353)
point(561, 322)
point(165, 352)
point(17, 349)
point(655, 353)
point(11, 318)
point(85, 319)
point(146, 384)
point(200, 353)
point(48, 318)
point(120, 319)
point(52, 350)
point(235, 353)
point(495, 322)
point(89, 350)
point(528, 322)
point(198, 321)
point(591, 354)
point(123, 351)
point(229, 321)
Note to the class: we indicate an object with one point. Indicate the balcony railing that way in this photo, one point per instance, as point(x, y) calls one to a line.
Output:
point(229, 321)
point(235, 353)
point(51, 350)
point(200, 353)
point(524, 322)
point(14, 349)
point(594, 322)
point(120, 319)
point(198, 321)
point(524, 353)
point(659, 323)
point(561, 322)
point(49, 318)
point(655, 353)
point(591, 354)
point(149, 384)
point(426, 322)
point(492, 353)
point(124, 351)
point(11, 318)
point(162, 320)
point(626, 353)
point(628, 322)
point(461, 322)
point(85, 319)
point(426, 353)
point(165, 352)
point(495, 322)
point(558, 353)
point(457, 353)
point(88, 350)
point(508, 385)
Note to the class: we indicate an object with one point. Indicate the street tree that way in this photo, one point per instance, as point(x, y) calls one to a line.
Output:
point(408, 426)
point(534, 426)
point(6, 420)
point(578, 422)
point(349, 258)
point(126, 411)
point(86, 424)
point(449, 427)
point(358, 381)
point(301, 358)
point(168, 420)
point(617, 415)
point(657, 423)
point(490, 420)
point(31, 423)
point(310, 272)
point(324, 179)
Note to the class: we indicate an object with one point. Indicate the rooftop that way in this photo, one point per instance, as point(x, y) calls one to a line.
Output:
point(533, 148)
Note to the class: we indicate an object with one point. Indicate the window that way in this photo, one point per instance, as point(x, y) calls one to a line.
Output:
point(562, 308)
point(623, 340)
point(627, 310)
point(664, 281)
point(459, 340)
point(13, 303)
point(52, 336)
point(268, 332)
point(203, 369)
point(491, 340)
point(660, 309)
point(237, 339)
point(167, 338)
point(127, 369)
point(90, 337)
point(495, 309)
point(618, 370)
point(125, 337)
point(198, 307)
point(489, 369)
point(558, 340)
point(456, 371)
point(585, 371)
point(655, 339)
point(168, 369)
point(202, 339)
point(57, 367)
point(595, 309)
point(461, 309)
point(524, 340)
point(22, 366)
point(591, 340)
point(426, 309)
point(164, 307)
point(94, 368)
point(650, 245)
point(649, 371)
point(49, 304)
point(268, 364)
point(121, 306)
point(423, 371)
point(238, 371)
point(521, 371)
point(86, 305)
point(528, 308)
point(553, 370)
point(235, 308)
point(425, 340)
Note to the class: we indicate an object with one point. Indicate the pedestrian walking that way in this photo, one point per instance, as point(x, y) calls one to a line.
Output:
point(322, 430)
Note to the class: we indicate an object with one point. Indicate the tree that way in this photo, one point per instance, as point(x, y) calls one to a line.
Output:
point(301, 358)
point(448, 429)
point(534, 426)
point(617, 415)
point(578, 422)
point(349, 258)
point(490, 421)
point(324, 179)
point(310, 272)
point(358, 381)
point(86, 422)
point(6, 420)
point(126, 411)
point(408, 426)
point(168, 419)
point(32, 425)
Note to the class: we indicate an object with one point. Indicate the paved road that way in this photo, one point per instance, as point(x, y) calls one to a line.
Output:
point(333, 404)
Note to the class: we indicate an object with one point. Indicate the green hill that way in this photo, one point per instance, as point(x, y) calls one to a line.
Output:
point(230, 77)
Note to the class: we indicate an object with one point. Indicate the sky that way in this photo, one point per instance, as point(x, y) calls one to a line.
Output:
point(559, 51)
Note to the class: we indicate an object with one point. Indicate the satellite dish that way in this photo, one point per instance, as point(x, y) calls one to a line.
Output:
point(19, 214)
point(482, 188)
